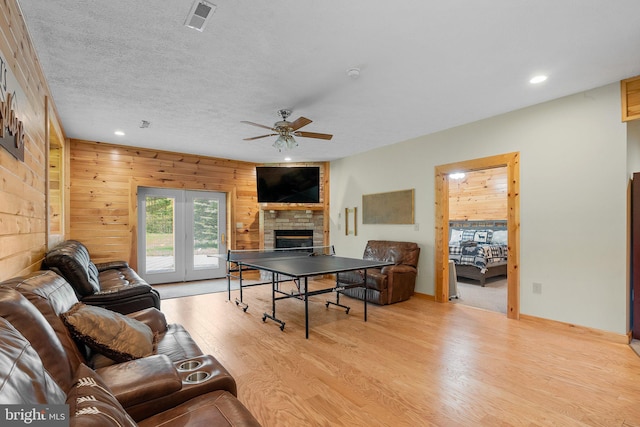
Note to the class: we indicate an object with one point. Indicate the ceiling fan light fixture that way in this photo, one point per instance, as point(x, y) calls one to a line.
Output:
point(285, 142)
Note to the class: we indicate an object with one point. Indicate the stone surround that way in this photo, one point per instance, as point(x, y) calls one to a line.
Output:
point(292, 220)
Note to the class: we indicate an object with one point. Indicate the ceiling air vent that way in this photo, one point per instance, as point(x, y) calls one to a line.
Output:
point(199, 15)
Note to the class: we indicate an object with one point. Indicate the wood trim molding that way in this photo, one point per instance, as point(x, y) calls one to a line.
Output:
point(424, 296)
point(592, 333)
point(512, 163)
point(630, 98)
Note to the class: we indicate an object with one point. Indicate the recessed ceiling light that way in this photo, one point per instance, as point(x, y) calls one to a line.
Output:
point(199, 15)
point(287, 159)
point(538, 79)
point(119, 133)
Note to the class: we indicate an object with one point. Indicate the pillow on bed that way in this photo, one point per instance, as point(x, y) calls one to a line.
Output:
point(500, 237)
point(468, 235)
point(118, 337)
point(483, 236)
point(456, 237)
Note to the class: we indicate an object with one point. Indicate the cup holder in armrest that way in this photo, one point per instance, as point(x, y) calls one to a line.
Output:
point(189, 365)
point(197, 377)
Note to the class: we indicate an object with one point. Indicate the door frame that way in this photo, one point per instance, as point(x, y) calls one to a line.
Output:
point(512, 162)
point(134, 183)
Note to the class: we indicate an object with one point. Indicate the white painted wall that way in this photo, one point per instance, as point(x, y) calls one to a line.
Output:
point(573, 187)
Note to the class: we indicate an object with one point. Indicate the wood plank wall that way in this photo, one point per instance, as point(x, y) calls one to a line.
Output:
point(23, 211)
point(479, 195)
point(104, 181)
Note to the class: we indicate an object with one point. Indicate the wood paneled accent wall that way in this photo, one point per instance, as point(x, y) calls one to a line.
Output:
point(23, 186)
point(479, 195)
point(104, 182)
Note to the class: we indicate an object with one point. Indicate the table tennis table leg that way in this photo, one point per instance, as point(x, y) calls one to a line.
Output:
point(327, 302)
point(366, 288)
point(239, 302)
point(275, 280)
point(306, 307)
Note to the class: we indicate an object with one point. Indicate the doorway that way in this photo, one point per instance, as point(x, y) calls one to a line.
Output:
point(180, 235)
point(512, 163)
point(478, 212)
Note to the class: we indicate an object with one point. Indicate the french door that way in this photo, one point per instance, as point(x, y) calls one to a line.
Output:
point(180, 235)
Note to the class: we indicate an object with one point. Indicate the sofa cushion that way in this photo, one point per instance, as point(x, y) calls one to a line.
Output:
point(91, 403)
point(51, 295)
point(110, 333)
point(72, 260)
point(26, 318)
point(23, 378)
point(406, 253)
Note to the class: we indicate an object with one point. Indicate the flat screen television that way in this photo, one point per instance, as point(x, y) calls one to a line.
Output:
point(296, 184)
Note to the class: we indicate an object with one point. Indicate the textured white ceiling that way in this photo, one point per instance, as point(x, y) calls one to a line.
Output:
point(425, 66)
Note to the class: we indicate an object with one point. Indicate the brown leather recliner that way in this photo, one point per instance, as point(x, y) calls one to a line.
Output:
point(113, 285)
point(389, 284)
point(145, 386)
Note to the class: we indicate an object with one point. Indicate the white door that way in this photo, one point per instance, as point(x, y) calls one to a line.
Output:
point(180, 235)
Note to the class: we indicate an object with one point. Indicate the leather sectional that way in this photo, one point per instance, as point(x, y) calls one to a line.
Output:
point(44, 359)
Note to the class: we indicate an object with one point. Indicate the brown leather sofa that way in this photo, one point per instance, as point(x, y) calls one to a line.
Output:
point(390, 284)
point(113, 285)
point(178, 385)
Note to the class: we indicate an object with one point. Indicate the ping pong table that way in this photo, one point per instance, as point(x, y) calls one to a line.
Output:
point(298, 265)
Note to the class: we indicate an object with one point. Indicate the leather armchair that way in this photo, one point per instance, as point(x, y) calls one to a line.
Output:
point(113, 285)
point(389, 284)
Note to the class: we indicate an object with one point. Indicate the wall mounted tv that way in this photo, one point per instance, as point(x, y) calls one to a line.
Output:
point(297, 184)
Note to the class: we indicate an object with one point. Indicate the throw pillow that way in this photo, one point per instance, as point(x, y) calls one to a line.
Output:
point(115, 335)
point(456, 237)
point(483, 236)
point(91, 403)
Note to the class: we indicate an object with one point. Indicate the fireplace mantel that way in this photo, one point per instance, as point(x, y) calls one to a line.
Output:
point(291, 207)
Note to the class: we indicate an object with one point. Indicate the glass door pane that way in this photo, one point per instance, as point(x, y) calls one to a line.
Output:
point(160, 235)
point(205, 233)
point(206, 212)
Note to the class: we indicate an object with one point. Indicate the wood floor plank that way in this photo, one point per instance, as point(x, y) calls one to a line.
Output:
point(415, 363)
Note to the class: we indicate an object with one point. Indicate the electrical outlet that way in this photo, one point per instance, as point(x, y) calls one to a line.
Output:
point(537, 288)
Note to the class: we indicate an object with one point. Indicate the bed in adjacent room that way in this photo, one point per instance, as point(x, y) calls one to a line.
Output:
point(478, 249)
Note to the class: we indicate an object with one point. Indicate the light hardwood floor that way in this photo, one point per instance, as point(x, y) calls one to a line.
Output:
point(415, 363)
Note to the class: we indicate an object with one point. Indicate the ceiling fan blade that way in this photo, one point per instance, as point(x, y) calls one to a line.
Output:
point(258, 137)
point(313, 135)
point(258, 125)
point(299, 122)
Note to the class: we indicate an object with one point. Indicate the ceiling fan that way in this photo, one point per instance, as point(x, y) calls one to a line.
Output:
point(287, 130)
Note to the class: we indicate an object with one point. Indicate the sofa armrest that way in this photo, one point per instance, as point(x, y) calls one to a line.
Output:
point(141, 380)
point(152, 317)
point(102, 266)
point(401, 282)
point(400, 268)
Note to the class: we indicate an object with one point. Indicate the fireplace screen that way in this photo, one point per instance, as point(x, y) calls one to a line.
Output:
point(293, 238)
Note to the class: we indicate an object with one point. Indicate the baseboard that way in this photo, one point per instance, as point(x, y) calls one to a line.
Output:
point(583, 330)
point(548, 323)
point(424, 296)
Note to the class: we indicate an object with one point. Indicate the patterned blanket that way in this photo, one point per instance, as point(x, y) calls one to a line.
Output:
point(479, 255)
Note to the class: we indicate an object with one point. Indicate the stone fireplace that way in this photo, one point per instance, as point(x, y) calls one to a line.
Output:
point(294, 225)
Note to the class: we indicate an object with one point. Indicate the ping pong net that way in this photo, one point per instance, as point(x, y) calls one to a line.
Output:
point(244, 255)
